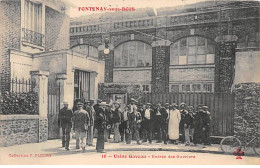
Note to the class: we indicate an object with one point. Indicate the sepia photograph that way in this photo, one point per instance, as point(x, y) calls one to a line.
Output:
point(129, 82)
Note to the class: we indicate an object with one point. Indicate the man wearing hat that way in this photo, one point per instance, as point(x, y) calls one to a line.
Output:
point(96, 106)
point(101, 125)
point(165, 115)
point(116, 121)
point(132, 104)
point(91, 113)
point(159, 121)
point(81, 124)
point(183, 111)
point(65, 122)
point(148, 121)
point(198, 125)
point(206, 120)
point(109, 115)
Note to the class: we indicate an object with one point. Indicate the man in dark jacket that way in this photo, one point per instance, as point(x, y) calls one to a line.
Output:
point(165, 112)
point(116, 119)
point(65, 122)
point(148, 122)
point(206, 121)
point(101, 125)
point(198, 125)
point(187, 123)
point(183, 111)
point(159, 122)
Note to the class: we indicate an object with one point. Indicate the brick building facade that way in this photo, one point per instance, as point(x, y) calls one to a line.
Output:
point(181, 49)
point(46, 28)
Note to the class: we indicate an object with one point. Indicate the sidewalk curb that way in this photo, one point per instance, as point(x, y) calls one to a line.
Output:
point(165, 149)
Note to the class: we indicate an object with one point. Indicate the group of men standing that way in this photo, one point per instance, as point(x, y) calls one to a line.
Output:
point(134, 121)
point(171, 123)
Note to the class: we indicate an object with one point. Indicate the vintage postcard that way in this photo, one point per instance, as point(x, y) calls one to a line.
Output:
point(129, 82)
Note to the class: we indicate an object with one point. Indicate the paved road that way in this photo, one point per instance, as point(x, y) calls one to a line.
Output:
point(50, 153)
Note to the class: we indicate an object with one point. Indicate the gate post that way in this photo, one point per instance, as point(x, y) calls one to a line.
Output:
point(41, 88)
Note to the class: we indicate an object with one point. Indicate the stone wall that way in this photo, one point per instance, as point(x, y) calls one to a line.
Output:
point(43, 129)
point(247, 110)
point(15, 131)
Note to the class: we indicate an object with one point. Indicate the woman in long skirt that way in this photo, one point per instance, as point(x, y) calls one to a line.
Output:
point(174, 121)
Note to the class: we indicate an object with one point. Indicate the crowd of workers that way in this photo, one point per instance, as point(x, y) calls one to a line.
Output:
point(170, 123)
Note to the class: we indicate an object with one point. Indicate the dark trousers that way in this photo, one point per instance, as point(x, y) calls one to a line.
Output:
point(66, 136)
point(165, 132)
point(206, 136)
point(100, 140)
point(159, 128)
point(134, 132)
point(147, 130)
point(197, 135)
point(122, 130)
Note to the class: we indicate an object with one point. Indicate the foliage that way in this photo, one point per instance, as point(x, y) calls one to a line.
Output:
point(19, 103)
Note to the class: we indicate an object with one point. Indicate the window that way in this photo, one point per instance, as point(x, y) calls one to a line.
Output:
point(133, 54)
point(196, 87)
point(248, 41)
point(33, 16)
point(175, 88)
point(86, 50)
point(146, 88)
point(192, 50)
point(193, 87)
point(186, 88)
point(207, 87)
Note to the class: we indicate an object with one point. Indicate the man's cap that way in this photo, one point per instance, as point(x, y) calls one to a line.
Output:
point(182, 103)
point(99, 100)
point(167, 104)
point(132, 99)
point(91, 100)
point(205, 107)
point(79, 103)
point(103, 104)
point(87, 102)
point(149, 104)
point(174, 105)
point(65, 102)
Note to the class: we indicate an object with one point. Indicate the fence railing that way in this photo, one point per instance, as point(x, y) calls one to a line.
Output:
point(32, 37)
point(20, 99)
point(21, 85)
point(221, 106)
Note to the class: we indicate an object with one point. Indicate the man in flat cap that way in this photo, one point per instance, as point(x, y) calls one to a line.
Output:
point(183, 111)
point(101, 125)
point(81, 124)
point(165, 112)
point(206, 119)
point(198, 125)
point(132, 104)
point(65, 122)
point(116, 119)
point(91, 113)
point(148, 121)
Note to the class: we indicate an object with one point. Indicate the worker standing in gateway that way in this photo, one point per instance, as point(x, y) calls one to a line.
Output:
point(65, 122)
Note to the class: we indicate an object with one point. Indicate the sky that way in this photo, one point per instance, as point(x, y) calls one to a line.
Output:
point(74, 11)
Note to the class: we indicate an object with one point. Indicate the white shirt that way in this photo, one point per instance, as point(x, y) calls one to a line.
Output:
point(147, 114)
